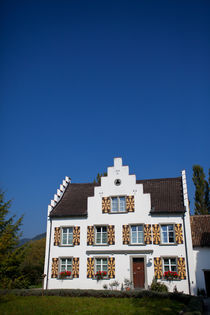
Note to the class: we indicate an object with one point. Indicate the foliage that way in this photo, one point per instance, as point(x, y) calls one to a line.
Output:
point(98, 178)
point(114, 284)
point(202, 202)
point(64, 274)
point(10, 255)
point(100, 275)
point(33, 263)
point(170, 275)
point(158, 286)
point(127, 283)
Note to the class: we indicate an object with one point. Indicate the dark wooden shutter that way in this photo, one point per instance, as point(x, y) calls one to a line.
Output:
point(111, 235)
point(181, 268)
point(178, 233)
point(75, 267)
point(158, 267)
point(57, 236)
point(111, 267)
point(126, 234)
point(76, 235)
point(130, 203)
point(156, 234)
point(54, 272)
point(90, 267)
point(106, 205)
point(90, 235)
point(147, 234)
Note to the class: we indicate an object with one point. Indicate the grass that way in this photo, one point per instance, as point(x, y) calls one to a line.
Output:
point(20, 305)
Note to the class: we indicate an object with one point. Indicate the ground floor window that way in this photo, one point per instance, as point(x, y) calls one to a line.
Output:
point(169, 264)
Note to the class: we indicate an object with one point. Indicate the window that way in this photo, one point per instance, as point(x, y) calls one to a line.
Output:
point(169, 264)
point(101, 235)
point(65, 264)
point(167, 234)
point(137, 234)
point(101, 264)
point(67, 236)
point(118, 204)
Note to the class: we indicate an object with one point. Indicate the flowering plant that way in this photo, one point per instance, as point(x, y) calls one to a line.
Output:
point(65, 274)
point(100, 275)
point(170, 275)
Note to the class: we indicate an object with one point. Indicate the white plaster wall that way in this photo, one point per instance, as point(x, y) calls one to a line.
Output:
point(95, 216)
point(202, 262)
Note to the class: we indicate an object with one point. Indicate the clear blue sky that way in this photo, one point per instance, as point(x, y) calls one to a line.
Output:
point(85, 81)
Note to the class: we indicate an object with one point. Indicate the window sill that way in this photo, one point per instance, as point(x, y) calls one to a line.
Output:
point(66, 245)
point(168, 244)
point(139, 244)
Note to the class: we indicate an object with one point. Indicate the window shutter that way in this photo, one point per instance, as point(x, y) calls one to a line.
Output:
point(130, 203)
point(181, 268)
point(156, 234)
point(147, 234)
point(57, 236)
point(90, 235)
point(76, 235)
point(54, 273)
point(111, 235)
point(90, 267)
point(75, 267)
point(126, 234)
point(178, 233)
point(111, 268)
point(106, 205)
point(158, 267)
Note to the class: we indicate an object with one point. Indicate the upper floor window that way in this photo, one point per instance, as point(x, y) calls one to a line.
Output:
point(118, 204)
point(67, 236)
point(169, 264)
point(137, 234)
point(167, 234)
point(101, 235)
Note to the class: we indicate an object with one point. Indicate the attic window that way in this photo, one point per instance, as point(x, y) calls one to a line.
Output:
point(117, 182)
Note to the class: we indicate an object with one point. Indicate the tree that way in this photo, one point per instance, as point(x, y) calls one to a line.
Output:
point(98, 178)
point(201, 191)
point(10, 255)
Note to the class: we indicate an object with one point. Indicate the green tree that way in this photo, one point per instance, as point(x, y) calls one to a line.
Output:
point(98, 178)
point(10, 255)
point(201, 190)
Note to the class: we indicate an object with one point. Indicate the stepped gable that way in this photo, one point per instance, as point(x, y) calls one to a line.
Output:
point(166, 194)
point(166, 197)
point(200, 228)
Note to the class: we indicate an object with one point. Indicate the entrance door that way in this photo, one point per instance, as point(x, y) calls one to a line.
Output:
point(207, 281)
point(138, 272)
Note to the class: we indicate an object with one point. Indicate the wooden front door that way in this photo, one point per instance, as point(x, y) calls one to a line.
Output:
point(138, 272)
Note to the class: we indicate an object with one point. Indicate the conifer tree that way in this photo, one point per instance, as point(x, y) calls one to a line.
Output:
point(201, 190)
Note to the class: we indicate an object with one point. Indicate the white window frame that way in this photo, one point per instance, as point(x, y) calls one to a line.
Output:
point(168, 231)
point(118, 204)
point(137, 243)
point(101, 226)
point(60, 264)
point(67, 227)
point(95, 264)
point(170, 265)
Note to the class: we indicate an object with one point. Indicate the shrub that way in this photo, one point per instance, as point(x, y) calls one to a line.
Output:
point(158, 286)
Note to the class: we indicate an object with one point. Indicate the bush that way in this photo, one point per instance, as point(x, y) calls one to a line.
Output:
point(158, 286)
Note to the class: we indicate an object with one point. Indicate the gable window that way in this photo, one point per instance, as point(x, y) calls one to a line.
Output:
point(101, 264)
point(137, 234)
point(169, 264)
point(67, 236)
point(167, 234)
point(118, 204)
point(101, 235)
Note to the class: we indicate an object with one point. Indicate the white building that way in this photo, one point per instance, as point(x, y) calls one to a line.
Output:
point(129, 229)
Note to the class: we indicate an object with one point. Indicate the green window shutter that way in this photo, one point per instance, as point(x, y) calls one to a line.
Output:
point(76, 235)
point(158, 271)
point(111, 267)
point(54, 272)
point(178, 233)
point(111, 235)
point(57, 236)
point(147, 234)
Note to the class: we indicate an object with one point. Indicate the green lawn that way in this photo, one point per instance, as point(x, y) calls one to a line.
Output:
point(20, 305)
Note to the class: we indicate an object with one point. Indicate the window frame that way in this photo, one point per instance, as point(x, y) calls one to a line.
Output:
point(95, 234)
point(169, 257)
point(67, 227)
point(130, 227)
point(59, 267)
point(118, 204)
point(161, 234)
point(101, 257)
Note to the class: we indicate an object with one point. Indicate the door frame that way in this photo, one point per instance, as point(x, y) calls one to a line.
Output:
point(145, 269)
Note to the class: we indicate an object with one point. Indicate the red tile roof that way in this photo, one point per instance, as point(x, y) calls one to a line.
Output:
point(200, 228)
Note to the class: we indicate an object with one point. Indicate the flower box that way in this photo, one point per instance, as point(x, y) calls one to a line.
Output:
point(65, 274)
point(170, 275)
point(100, 275)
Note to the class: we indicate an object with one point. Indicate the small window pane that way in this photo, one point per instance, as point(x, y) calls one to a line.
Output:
point(122, 203)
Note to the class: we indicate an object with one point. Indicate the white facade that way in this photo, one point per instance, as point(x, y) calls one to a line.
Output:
point(123, 254)
point(202, 264)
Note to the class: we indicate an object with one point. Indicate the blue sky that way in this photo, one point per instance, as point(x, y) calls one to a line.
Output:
point(85, 81)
